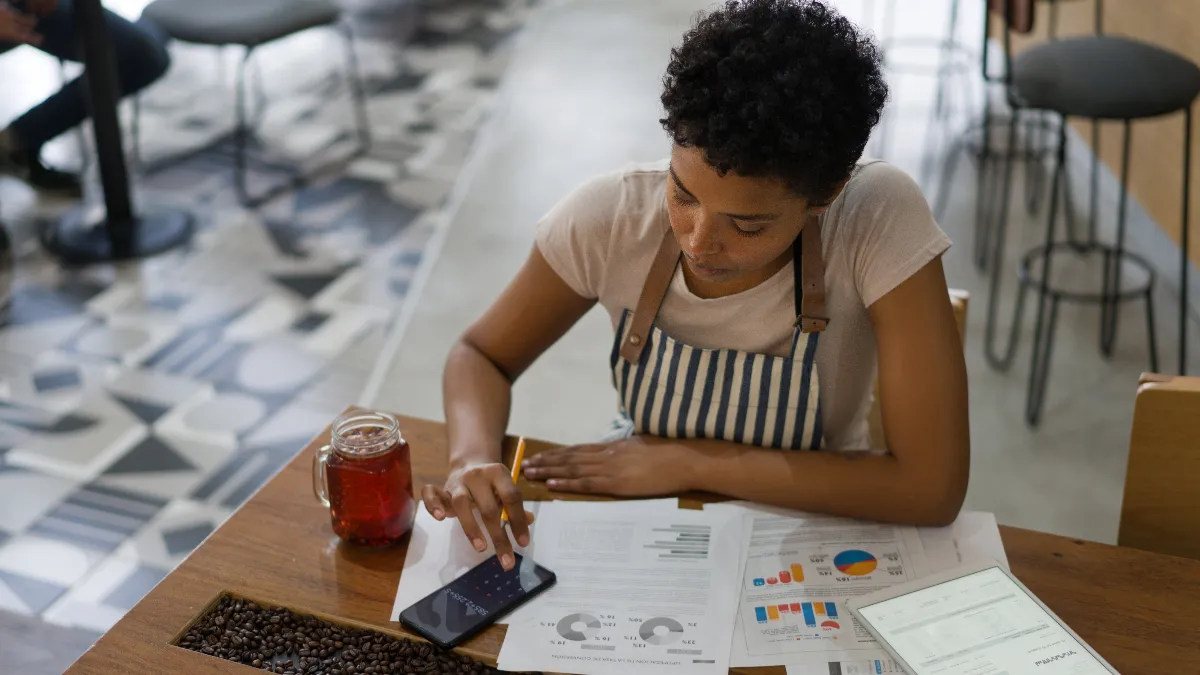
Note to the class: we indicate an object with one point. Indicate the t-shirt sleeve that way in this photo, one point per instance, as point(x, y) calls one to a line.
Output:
point(574, 237)
point(892, 233)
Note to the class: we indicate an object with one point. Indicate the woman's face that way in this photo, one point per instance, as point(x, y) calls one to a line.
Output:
point(735, 231)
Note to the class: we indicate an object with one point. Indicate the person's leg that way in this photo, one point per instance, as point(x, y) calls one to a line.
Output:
point(141, 57)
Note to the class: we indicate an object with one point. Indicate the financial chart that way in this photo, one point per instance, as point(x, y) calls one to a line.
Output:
point(799, 573)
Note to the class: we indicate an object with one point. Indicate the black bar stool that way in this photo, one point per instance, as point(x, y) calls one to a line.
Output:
point(1098, 78)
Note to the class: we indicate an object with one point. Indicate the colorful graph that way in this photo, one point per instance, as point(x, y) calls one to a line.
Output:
point(855, 563)
point(809, 612)
point(794, 574)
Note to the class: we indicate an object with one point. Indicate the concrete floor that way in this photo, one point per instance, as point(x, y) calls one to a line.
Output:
point(582, 98)
point(33, 647)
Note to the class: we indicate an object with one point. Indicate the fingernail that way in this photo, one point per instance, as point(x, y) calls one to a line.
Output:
point(552, 484)
point(523, 540)
point(479, 545)
point(437, 513)
point(506, 561)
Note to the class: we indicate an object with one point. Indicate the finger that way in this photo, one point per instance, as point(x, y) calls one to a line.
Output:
point(464, 506)
point(596, 486)
point(580, 456)
point(560, 455)
point(24, 35)
point(489, 513)
point(437, 502)
point(510, 498)
point(580, 468)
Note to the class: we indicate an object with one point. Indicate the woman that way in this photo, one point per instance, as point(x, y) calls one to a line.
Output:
point(754, 283)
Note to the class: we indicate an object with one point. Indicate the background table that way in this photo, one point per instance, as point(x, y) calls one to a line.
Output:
point(1139, 610)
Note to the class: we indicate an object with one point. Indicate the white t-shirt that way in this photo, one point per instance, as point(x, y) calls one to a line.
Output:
point(603, 236)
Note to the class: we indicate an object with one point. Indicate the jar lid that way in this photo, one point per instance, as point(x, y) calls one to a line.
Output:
point(365, 434)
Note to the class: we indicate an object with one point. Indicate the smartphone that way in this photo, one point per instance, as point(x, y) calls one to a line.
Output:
point(474, 601)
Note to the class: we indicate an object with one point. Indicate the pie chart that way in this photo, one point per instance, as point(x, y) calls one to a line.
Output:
point(650, 633)
point(578, 627)
point(855, 563)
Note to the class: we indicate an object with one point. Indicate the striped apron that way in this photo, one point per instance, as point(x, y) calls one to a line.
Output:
point(671, 389)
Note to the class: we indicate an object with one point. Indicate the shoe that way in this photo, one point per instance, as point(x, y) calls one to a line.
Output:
point(26, 166)
point(49, 179)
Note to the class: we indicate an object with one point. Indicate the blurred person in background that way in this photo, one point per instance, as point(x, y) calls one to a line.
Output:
point(141, 58)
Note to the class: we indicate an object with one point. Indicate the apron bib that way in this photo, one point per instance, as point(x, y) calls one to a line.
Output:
point(671, 389)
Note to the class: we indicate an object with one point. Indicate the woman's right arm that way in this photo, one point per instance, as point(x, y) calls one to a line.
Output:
point(536, 309)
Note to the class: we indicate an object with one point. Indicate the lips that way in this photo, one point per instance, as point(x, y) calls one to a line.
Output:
point(705, 269)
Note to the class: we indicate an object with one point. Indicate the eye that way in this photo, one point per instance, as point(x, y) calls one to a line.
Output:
point(748, 230)
point(681, 197)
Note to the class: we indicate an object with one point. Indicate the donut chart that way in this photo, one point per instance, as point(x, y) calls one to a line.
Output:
point(855, 563)
point(649, 634)
point(566, 627)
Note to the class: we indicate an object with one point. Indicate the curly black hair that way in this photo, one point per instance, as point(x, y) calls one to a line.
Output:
point(787, 89)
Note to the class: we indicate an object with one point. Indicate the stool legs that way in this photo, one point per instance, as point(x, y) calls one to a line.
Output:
point(1111, 294)
point(244, 126)
point(992, 237)
point(357, 91)
point(1184, 262)
point(940, 109)
point(241, 131)
point(983, 188)
point(1113, 262)
point(1043, 332)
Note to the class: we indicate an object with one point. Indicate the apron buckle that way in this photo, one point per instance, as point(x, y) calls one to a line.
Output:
point(808, 323)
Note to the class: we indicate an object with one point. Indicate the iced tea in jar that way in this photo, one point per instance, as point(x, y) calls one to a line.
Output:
point(364, 476)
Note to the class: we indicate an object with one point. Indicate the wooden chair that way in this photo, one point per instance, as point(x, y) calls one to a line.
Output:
point(958, 301)
point(1161, 511)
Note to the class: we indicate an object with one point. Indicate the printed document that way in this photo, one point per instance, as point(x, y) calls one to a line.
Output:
point(650, 592)
point(438, 552)
point(799, 569)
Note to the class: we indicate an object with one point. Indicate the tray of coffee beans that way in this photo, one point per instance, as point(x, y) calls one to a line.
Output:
point(278, 640)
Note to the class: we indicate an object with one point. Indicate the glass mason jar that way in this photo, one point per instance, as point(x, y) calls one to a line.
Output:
point(364, 477)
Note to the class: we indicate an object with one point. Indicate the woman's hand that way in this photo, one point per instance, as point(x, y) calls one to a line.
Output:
point(17, 27)
point(486, 487)
point(635, 467)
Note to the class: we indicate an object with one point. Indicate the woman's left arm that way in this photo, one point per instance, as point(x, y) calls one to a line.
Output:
point(921, 479)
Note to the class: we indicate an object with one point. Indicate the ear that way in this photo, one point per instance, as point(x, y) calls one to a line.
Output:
point(818, 210)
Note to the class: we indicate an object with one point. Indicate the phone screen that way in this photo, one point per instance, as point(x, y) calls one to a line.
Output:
point(979, 623)
point(475, 600)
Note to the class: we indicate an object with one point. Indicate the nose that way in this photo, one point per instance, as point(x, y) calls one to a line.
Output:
point(702, 240)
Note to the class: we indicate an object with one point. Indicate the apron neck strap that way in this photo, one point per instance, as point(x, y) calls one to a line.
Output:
point(809, 266)
point(662, 270)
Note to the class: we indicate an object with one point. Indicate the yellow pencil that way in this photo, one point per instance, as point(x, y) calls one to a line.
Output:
point(516, 472)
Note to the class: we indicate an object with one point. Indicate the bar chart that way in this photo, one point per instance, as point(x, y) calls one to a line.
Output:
point(681, 542)
point(817, 615)
point(780, 574)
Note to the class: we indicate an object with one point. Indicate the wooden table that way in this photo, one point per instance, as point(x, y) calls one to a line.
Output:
point(1139, 610)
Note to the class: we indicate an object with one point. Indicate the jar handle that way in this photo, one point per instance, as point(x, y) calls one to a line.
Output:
point(320, 480)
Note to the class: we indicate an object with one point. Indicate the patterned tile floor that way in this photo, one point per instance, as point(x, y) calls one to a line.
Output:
point(140, 405)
